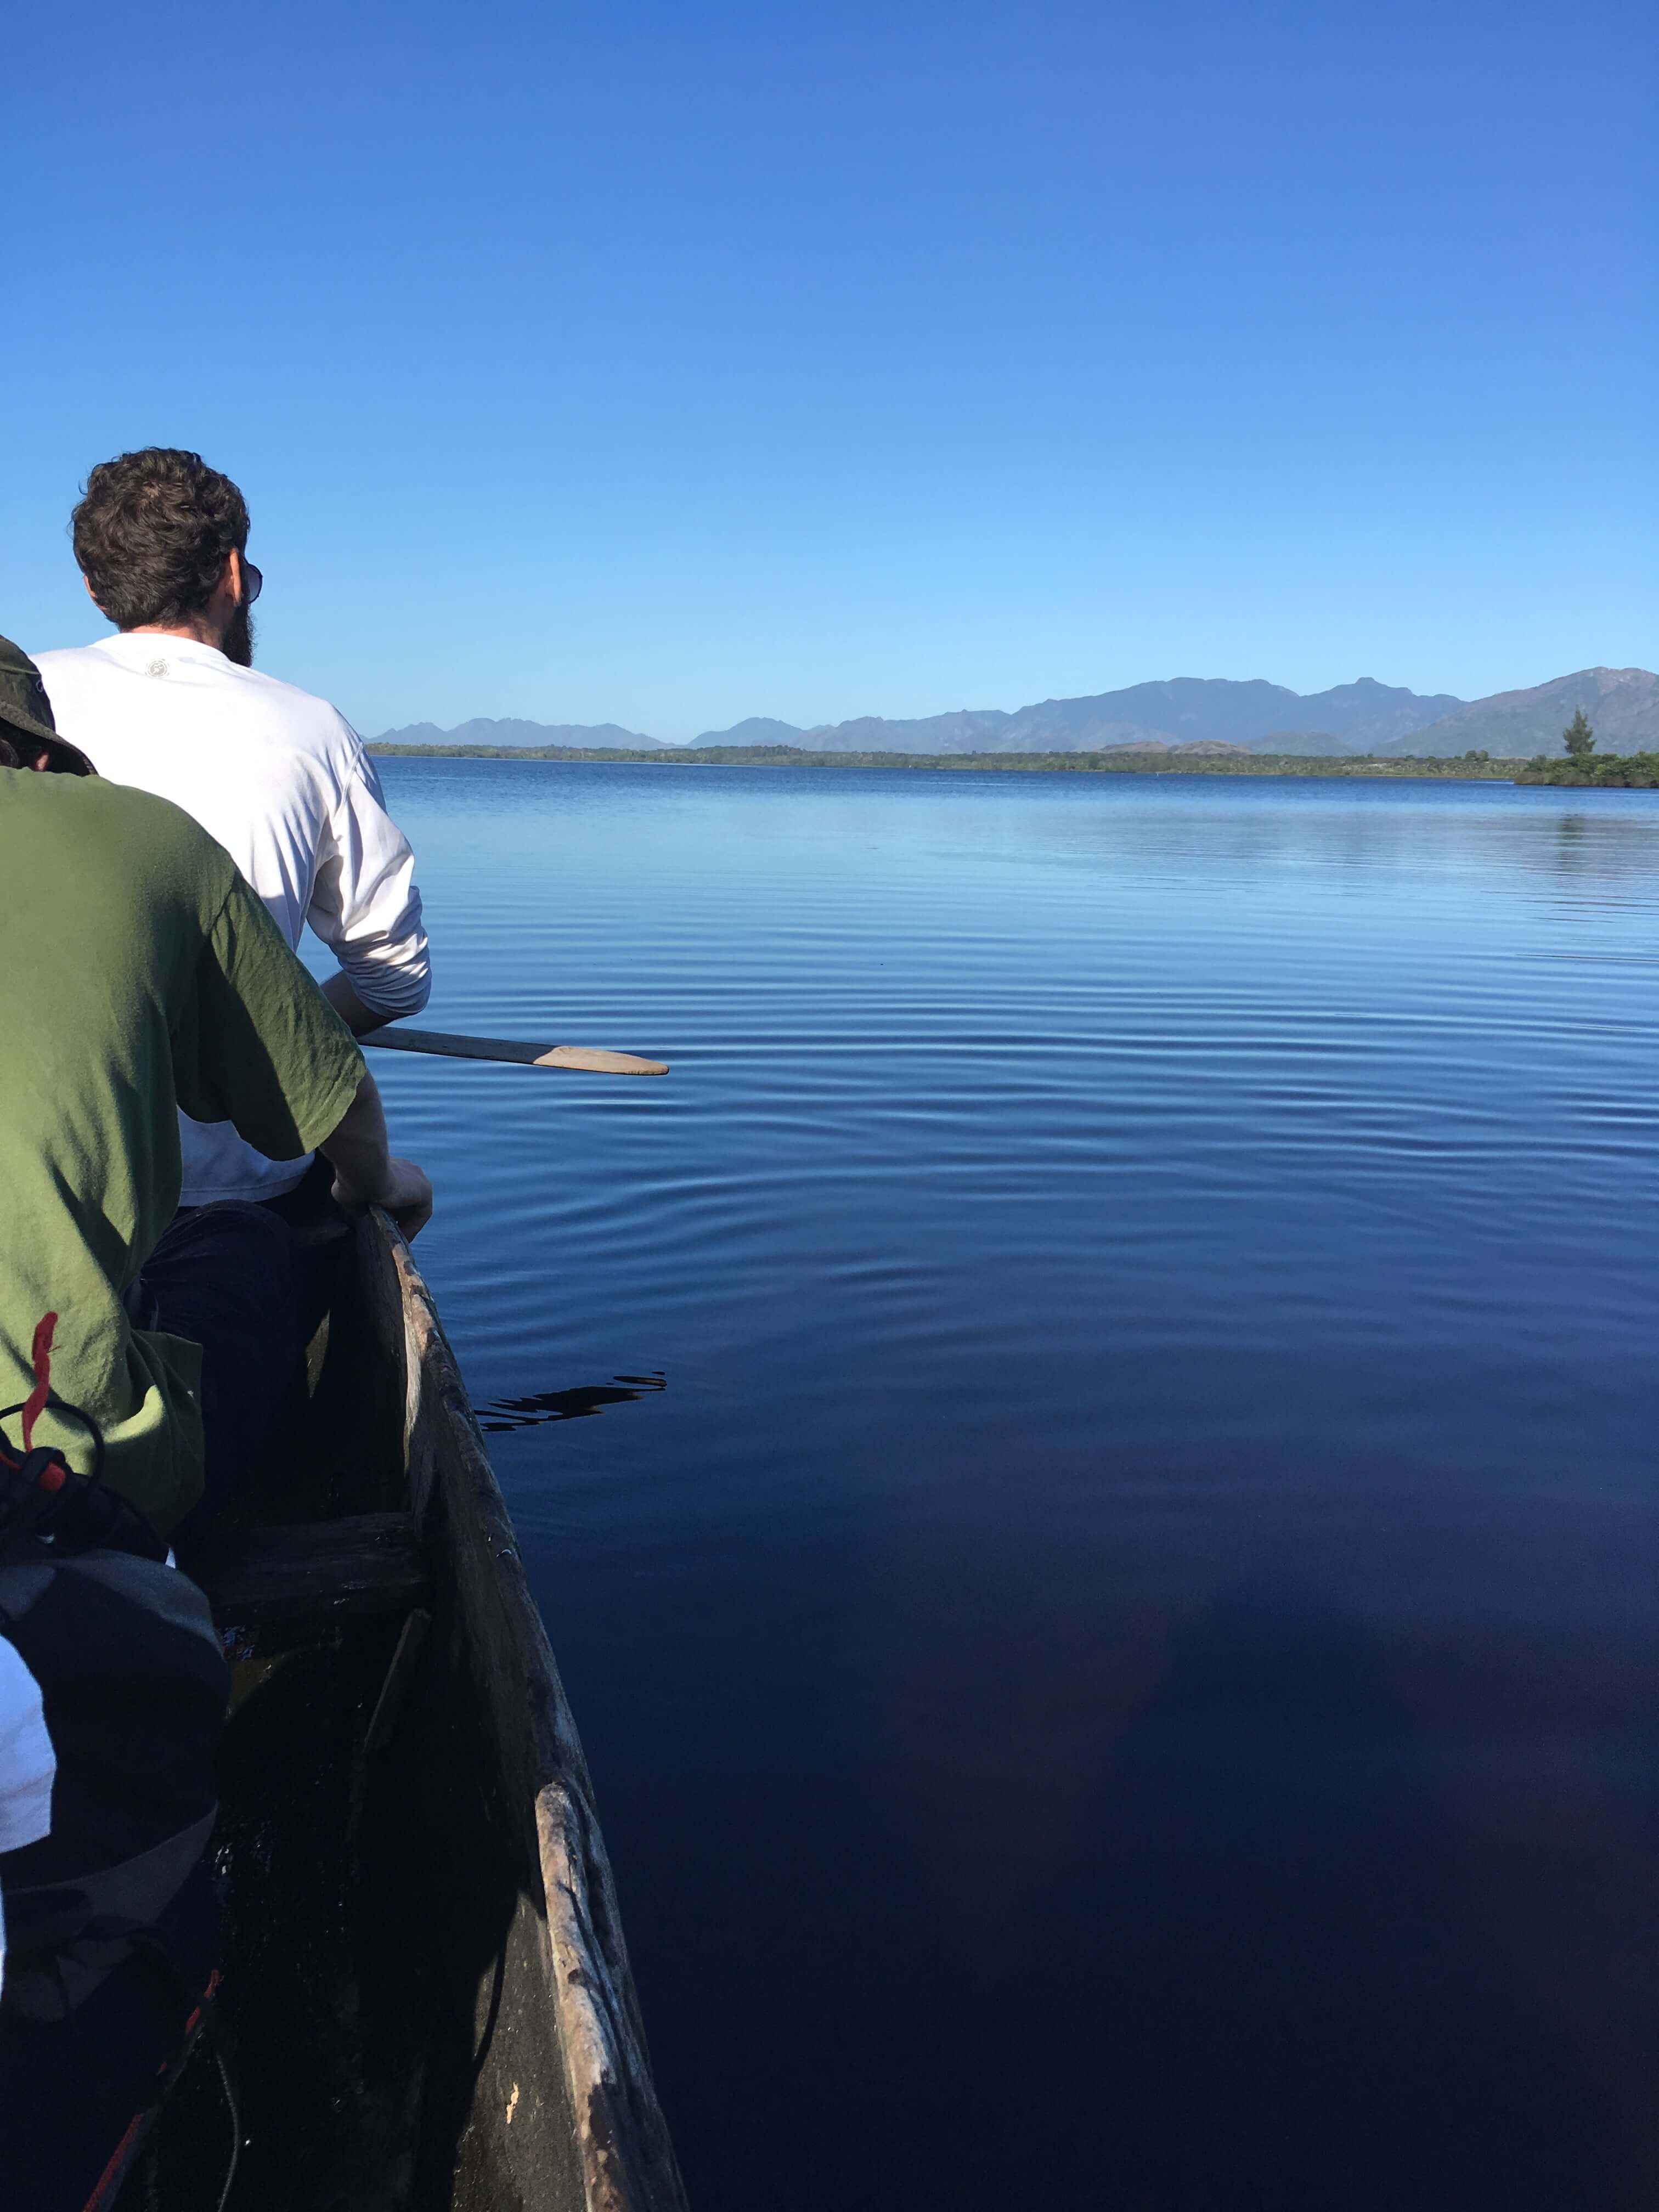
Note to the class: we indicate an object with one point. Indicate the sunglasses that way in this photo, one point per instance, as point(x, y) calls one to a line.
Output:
point(252, 583)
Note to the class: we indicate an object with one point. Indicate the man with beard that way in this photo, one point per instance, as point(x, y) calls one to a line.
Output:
point(173, 705)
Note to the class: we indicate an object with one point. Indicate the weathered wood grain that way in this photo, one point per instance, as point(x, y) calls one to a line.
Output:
point(585, 1984)
point(312, 1572)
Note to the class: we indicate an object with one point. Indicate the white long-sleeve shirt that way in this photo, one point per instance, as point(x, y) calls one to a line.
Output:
point(27, 1764)
point(281, 779)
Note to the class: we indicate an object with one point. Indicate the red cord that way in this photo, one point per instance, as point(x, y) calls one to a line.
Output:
point(40, 1357)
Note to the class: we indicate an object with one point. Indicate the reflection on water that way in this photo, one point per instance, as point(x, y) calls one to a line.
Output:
point(503, 1415)
point(1126, 1669)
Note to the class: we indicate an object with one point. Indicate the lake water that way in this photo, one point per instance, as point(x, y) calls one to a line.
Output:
point(1088, 1458)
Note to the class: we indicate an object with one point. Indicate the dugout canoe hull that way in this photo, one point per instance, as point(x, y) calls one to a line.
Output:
point(426, 1981)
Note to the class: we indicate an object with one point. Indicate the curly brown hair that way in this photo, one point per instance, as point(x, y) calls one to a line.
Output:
point(153, 532)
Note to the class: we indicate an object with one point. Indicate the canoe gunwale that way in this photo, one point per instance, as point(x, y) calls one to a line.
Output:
point(627, 2160)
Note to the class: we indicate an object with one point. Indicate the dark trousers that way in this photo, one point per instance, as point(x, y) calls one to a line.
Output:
point(248, 1283)
point(222, 1277)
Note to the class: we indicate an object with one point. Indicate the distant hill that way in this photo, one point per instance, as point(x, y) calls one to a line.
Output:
point(484, 731)
point(1185, 713)
point(1363, 717)
point(1313, 744)
point(1622, 704)
point(758, 729)
point(1212, 748)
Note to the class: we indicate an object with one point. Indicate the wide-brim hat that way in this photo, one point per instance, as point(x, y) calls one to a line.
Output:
point(24, 706)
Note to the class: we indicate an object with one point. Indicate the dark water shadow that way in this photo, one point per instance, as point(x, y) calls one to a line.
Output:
point(502, 1415)
point(1262, 1976)
point(1281, 1989)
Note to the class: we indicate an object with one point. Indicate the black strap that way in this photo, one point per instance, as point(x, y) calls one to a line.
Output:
point(49, 1511)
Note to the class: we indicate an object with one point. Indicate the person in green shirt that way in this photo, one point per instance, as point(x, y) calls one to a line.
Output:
point(140, 975)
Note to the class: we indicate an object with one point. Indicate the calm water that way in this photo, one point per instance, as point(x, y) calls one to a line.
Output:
point(1118, 1634)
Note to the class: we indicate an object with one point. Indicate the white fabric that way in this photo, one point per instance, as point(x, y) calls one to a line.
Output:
point(281, 779)
point(28, 1766)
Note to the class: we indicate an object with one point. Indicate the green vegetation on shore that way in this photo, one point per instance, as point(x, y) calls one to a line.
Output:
point(1579, 768)
point(1471, 767)
point(1612, 772)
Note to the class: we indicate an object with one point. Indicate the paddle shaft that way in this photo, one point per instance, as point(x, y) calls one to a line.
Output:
point(593, 1059)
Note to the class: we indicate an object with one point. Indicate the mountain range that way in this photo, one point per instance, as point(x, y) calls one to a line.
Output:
point(1363, 717)
point(484, 732)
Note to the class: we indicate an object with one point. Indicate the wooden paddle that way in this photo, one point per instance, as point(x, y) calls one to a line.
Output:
point(596, 1061)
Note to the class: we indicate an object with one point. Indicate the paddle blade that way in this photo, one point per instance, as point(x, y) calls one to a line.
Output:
point(590, 1058)
point(596, 1061)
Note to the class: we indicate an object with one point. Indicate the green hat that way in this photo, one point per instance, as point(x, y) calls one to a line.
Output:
point(24, 706)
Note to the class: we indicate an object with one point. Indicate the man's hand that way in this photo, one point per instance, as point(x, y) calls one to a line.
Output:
point(365, 1171)
point(405, 1193)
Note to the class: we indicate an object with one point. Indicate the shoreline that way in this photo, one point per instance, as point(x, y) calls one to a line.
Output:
point(1405, 768)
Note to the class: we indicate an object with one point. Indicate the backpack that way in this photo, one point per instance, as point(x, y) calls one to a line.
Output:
point(110, 1923)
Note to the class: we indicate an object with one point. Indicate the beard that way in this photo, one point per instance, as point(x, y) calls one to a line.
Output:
point(238, 638)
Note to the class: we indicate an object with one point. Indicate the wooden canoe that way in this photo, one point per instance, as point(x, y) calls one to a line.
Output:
point(427, 1993)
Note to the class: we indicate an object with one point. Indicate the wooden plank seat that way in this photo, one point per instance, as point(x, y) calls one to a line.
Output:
point(305, 1576)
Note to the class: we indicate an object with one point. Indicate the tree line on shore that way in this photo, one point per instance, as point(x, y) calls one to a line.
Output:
point(1480, 768)
point(1578, 764)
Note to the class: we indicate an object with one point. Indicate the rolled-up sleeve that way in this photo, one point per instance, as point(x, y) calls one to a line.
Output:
point(255, 1042)
point(365, 904)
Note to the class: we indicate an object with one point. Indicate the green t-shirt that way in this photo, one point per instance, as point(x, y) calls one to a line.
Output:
point(139, 974)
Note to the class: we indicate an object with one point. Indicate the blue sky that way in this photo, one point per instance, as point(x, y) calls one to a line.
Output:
point(667, 363)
